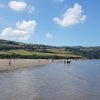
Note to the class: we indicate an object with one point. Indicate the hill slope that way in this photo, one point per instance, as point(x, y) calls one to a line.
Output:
point(12, 49)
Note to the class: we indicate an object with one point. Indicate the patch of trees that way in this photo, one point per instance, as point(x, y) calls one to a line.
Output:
point(93, 53)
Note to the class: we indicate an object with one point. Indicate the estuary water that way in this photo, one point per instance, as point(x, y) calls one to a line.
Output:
point(79, 80)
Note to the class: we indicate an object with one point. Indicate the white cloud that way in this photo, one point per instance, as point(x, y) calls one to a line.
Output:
point(24, 37)
point(27, 25)
point(21, 6)
point(21, 32)
point(71, 16)
point(12, 32)
point(17, 5)
point(49, 35)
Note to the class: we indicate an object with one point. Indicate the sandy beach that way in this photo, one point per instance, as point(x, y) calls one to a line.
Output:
point(21, 63)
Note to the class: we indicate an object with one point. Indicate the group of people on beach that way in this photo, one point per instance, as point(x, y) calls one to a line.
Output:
point(68, 61)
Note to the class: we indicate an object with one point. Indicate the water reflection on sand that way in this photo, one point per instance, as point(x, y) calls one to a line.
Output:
point(77, 81)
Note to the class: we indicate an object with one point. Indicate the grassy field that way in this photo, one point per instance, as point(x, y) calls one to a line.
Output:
point(35, 54)
point(12, 49)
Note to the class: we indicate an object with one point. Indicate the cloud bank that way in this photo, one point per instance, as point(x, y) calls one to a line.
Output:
point(21, 6)
point(17, 5)
point(22, 31)
point(72, 16)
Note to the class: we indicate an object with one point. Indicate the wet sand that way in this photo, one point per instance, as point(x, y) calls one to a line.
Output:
point(20, 63)
point(79, 80)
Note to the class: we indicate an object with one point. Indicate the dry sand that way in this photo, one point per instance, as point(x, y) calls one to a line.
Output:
point(20, 63)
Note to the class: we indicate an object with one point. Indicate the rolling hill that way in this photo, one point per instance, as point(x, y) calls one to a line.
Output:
point(12, 49)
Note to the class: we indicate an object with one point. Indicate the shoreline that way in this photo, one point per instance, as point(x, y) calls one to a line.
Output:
point(26, 63)
point(21, 63)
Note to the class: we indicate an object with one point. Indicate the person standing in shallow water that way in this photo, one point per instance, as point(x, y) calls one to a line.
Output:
point(68, 61)
point(64, 62)
point(9, 62)
point(52, 60)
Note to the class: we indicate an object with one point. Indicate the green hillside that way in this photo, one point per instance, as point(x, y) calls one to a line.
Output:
point(11, 49)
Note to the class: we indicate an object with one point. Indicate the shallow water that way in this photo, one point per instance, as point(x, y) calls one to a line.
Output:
point(79, 80)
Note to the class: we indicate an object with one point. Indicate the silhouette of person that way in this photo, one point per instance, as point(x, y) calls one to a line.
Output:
point(68, 61)
point(64, 62)
point(52, 60)
point(9, 62)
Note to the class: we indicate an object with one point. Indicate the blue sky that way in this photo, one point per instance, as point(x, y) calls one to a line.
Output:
point(52, 22)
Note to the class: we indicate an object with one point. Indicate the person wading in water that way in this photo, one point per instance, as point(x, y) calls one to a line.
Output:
point(64, 62)
point(9, 62)
point(68, 61)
